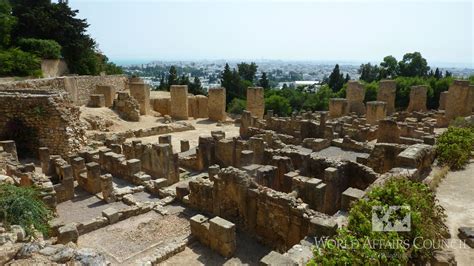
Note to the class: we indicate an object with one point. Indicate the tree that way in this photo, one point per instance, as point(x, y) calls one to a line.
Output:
point(7, 22)
point(44, 49)
point(369, 72)
point(172, 77)
point(264, 82)
point(184, 80)
point(413, 65)
point(247, 71)
point(163, 86)
point(389, 67)
point(279, 105)
point(336, 79)
point(448, 74)
point(226, 77)
point(195, 87)
point(347, 78)
point(438, 74)
point(15, 62)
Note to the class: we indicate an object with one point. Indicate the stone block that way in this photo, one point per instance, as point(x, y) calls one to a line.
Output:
point(376, 110)
point(322, 226)
point(217, 104)
point(109, 93)
point(179, 102)
point(418, 96)
point(355, 95)
point(386, 93)
point(96, 100)
point(256, 101)
point(350, 195)
point(68, 233)
point(111, 214)
point(140, 91)
point(274, 258)
point(338, 107)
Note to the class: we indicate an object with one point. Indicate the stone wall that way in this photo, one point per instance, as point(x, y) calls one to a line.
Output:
point(256, 101)
point(338, 107)
point(53, 68)
point(141, 92)
point(127, 107)
point(78, 87)
point(217, 233)
point(376, 111)
point(50, 119)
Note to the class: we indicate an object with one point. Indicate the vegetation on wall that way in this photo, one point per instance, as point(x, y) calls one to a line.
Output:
point(358, 244)
point(23, 206)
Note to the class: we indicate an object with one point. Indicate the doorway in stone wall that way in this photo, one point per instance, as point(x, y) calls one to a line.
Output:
point(25, 137)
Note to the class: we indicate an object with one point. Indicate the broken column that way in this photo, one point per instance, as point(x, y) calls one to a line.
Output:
point(107, 188)
point(44, 158)
point(459, 101)
point(216, 104)
point(93, 178)
point(201, 106)
point(417, 98)
point(179, 101)
point(355, 95)
point(376, 111)
point(338, 107)
point(386, 93)
point(140, 91)
point(256, 101)
point(443, 97)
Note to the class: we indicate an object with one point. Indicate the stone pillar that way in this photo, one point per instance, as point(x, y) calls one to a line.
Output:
point(107, 187)
point(258, 147)
point(44, 158)
point(192, 106)
point(331, 197)
point(376, 111)
point(459, 101)
point(338, 107)
point(246, 158)
point(216, 104)
point(256, 101)
point(282, 181)
point(179, 102)
point(386, 93)
point(201, 107)
point(443, 97)
point(141, 93)
point(388, 131)
point(417, 98)
point(355, 95)
point(67, 182)
point(109, 93)
point(93, 178)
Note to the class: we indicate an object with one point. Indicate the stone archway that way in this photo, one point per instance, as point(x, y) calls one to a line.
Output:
point(25, 137)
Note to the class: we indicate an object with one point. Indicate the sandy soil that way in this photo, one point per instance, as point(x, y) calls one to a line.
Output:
point(456, 194)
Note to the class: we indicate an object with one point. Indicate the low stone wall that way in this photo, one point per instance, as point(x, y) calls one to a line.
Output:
point(217, 233)
point(79, 87)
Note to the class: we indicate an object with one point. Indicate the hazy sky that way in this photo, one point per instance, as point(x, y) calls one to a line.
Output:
point(290, 30)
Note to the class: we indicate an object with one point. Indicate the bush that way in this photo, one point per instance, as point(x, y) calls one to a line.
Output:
point(279, 105)
point(45, 49)
point(427, 222)
point(237, 106)
point(454, 147)
point(22, 206)
point(15, 62)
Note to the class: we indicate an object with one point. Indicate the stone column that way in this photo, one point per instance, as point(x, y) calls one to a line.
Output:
point(107, 187)
point(201, 106)
point(192, 106)
point(376, 111)
point(338, 107)
point(140, 91)
point(216, 104)
point(44, 158)
point(256, 101)
point(459, 101)
point(386, 93)
point(109, 93)
point(355, 95)
point(417, 98)
point(179, 102)
point(443, 97)
point(93, 178)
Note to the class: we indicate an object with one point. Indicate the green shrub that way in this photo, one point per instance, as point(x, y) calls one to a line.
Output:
point(279, 105)
point(22, 206)
point(45, 49)
point(454, 147)
point(427, 223)
point(15, 62)
point(237, 106)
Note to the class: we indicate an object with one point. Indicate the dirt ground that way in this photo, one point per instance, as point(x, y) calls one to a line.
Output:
point(456, 194)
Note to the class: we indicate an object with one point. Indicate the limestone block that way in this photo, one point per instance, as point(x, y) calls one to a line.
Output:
point(201, 106)
point(256, 101)
point(192, 106)
point(216, 104)
point(338, 107)
point(350, 195)
point(140, 91)
point(275, 258)
point(96, 100)
point(162, 105)
point(184, 145)
point(179, 102)
point(386, 93)
point(111, 214)
point(388, 131)
point(418, 96)
point(418, 156)
point(355, 95)
point(109, 93)
point(376, 110)
point(443, 98)
point(68, 233)
point(322, 226)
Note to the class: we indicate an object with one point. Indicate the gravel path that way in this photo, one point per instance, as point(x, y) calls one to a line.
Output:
point(456, 194)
